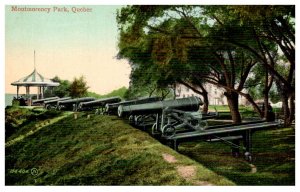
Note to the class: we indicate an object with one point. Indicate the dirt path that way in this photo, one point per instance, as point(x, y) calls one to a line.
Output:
point(188, 172)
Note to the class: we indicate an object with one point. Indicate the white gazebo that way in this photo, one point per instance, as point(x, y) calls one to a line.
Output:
point(34, 79)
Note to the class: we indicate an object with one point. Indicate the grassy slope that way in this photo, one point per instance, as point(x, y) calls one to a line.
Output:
point(101, 150)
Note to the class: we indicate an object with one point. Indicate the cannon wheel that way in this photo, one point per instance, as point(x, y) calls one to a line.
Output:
point(138, 120)
point(154, 129)
point(248, 157)
point(203, 125)
point(131, 120)
point(168, 130)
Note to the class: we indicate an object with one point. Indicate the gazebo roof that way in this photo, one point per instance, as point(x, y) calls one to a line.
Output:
point(35, 79)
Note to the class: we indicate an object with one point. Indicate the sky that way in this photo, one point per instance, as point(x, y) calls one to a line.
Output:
point(67, 44)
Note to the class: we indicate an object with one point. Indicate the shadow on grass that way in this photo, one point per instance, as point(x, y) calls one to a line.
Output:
point(274, 158)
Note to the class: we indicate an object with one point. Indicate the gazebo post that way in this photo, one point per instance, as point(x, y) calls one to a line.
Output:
point(17, 91)
point(28, 95)
point(38, 92)
point(43, 92)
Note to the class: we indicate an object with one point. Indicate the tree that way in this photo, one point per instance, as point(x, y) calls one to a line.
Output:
point(78, 87)
point(214, 44)
point(61, 91)
point(155, 46)
point(187, 52)
point(273, 29)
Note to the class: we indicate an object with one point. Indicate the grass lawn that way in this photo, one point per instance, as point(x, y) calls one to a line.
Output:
point(100, 150)
point(274, 158)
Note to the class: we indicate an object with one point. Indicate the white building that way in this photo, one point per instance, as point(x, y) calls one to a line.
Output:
point(215, 94)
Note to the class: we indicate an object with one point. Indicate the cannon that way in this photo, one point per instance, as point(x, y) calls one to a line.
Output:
point(99, 104)
point(230, 134)
point(41, 101)
point(186, 104)
point(52, 104)
point(168, 117)
point(72, 104)
point(112, 108)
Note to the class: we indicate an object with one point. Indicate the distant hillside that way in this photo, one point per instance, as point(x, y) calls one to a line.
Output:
point(98, 150)
point(118, 92)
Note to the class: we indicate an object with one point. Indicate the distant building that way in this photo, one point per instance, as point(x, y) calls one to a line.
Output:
point(215, 94)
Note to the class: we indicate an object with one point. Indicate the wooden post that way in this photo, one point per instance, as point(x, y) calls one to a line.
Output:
point(17, 91)
point(38, 93)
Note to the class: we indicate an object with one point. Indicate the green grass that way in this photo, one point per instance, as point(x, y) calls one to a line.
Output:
point(101, 150)
point(274, 158)
point(21, 120)
point(245, 111)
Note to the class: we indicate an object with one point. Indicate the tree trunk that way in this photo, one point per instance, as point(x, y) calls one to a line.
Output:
point(233, 103)
point(292, 110)
point(174, 91)
point(205, 99)
point(286, 111)
point(205, 102)
point(266, 96)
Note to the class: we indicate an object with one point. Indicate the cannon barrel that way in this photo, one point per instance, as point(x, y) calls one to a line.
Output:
point(43, 100)
point(76, 100)
point(186, 104)
point(113, 107)
point(67, 104)
point(99, 102)
point(53, 101)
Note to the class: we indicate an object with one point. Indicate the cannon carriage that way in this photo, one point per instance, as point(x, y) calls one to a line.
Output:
point(177, 121)
point(231, 134)
point(166, 117)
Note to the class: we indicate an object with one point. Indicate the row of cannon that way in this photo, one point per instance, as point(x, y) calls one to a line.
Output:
point(173, 121)
point(164, 116)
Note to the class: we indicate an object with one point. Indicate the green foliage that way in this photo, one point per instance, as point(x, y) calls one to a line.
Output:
point(212, 44)
point(274, 95)
point(78, 87)
point(60, 91)
point(118, 92)
point(93, 94)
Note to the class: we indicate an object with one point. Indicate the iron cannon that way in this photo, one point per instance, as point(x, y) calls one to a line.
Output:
point(99, 104)
point(112, 108)
point(186, 104)
point(167, 117)
point(72, 104)
point(41, 101)
point(53, 103)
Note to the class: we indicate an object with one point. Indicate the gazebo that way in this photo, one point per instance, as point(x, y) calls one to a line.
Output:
point(34, 79)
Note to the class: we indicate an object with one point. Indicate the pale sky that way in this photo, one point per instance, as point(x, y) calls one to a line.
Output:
point(67, 44)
